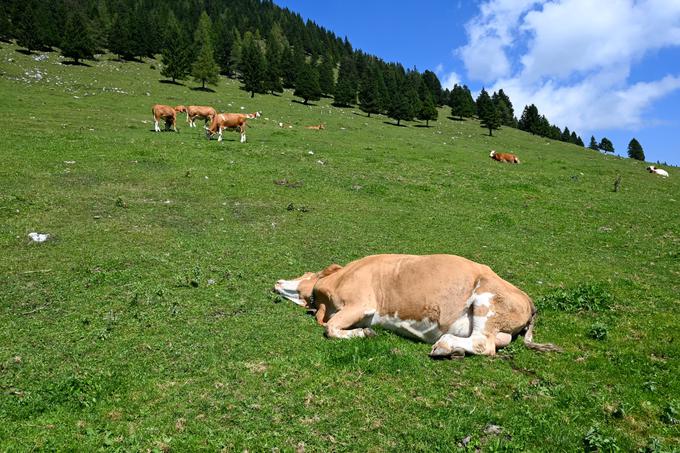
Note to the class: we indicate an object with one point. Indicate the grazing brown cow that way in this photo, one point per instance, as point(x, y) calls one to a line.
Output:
point(199, 111)
point(504, 157)
point(317, 127)
point(455, 304)
point(168, 114)
point(229, 121)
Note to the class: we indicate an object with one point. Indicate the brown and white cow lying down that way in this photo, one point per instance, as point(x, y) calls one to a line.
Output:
point(166, 113)
point(504, 157)
point(455, 304)
point(228, 121)
point(199, 111)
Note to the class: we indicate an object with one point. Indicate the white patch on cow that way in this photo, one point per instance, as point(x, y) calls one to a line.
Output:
point(424, 329)
point(289, 290)
point(461, 327)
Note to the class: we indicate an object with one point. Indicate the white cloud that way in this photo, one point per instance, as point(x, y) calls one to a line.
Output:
point(450, 79)
point(573, 58)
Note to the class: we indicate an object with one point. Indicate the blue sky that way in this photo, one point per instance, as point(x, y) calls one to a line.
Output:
point(608, 68)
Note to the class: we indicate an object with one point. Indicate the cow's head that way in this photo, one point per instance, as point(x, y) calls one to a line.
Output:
point(299, 290)
point(492, 153)
point(180, 109)
point(651, 168)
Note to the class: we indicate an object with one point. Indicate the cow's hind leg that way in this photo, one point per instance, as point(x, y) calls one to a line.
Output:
point(339, 325)
point(481, 341)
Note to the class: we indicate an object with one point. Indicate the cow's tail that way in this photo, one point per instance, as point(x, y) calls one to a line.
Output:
point(529, 335)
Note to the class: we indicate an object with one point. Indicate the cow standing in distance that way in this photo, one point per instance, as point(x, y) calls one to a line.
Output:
point(167, 114)
point(504, 157)
point(455, 304)
point(227, 121)
point(657, 171)
point(200, 111)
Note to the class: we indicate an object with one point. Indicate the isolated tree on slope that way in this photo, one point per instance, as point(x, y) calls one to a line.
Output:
point(77, 42)
point(606, 145)
point(593, 144)
point(400, 109)
point(635, 150)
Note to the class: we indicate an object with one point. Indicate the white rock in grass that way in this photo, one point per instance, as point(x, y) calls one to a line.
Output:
point(38, 237)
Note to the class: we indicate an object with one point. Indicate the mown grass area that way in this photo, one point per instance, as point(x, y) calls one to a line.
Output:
point(147, 320)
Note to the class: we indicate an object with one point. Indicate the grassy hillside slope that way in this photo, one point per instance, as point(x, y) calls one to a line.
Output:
point(147, 321)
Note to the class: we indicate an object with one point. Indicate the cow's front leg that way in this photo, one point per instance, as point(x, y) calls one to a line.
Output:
point(219, 136)
point(156, 127)
point(339, 325)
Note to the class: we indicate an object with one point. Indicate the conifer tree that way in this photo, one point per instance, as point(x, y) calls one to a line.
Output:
point(530, 120)
point(326, 76)
point(461, 102)
point(253, 66)
point(400, 109)
point(204, 69)
point(428, 110)
point(307, 84)
point(593, 144)
point(606, 145)
point(635, 150)
point(236, 50)
point(26, 27)
point(504, 107)
point(203, 33)
point(272, 73)
point(566, 134)
point(289, 68)
point(483, 103)
point(369, 95)
point(77, 42)
point(434, 86)
point(120, 39)
point(175, 56)
point(346, 86)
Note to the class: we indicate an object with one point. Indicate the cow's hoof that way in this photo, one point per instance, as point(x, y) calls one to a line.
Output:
point(369, 332)
point(439, 352)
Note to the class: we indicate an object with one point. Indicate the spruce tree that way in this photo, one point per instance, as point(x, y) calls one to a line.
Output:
point(606, 145)
point(400, 109)
point(484, 104)
point(272, 73)
point(203, 33)
point(307, 84)
point(566, 134)
point(369, 96)
point(253, 66)
point(428, 111)
point(593, 144)
point(504, 107)
point(530, 120)
point(175, 56)
point(236, 51)
point(434, 86)
point(635, 150)
point(77, 42)
point(326, 76)
point(346, 86)
point(120, 39)
point(26, 27)
point(459, 100)
point(204, 69)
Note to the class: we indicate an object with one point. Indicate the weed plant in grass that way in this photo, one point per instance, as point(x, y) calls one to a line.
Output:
point(146, 321)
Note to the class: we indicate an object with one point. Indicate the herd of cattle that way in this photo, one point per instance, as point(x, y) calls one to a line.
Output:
point(220, 122)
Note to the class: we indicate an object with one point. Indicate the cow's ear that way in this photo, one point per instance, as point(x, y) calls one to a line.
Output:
point(329, 270)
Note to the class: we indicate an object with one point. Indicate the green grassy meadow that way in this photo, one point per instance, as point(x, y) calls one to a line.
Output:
point(147, 322)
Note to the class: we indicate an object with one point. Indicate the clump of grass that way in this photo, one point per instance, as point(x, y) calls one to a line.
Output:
point(598, 331)
point(595, 441)
point(584, 297)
